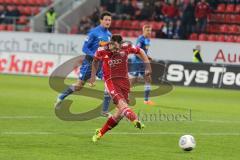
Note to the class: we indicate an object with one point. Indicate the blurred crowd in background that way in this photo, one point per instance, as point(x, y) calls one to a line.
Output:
point(180, 17)
point(8, 14)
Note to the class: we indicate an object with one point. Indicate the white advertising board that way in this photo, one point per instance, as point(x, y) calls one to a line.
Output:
point(32, 64)
point(211, 52)
point(61, 47)
point(40, 43)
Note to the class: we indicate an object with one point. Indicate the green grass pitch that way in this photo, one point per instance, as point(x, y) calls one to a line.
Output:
point(29, 129)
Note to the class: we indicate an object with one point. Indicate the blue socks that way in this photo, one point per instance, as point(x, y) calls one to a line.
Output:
point(67, 92)
point(70, 90)
point(106, 102)
point(147, 91)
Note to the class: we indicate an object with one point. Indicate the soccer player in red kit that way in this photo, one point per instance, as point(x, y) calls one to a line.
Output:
point(114, 57)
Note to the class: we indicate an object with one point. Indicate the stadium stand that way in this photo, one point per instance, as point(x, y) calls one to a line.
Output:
point(170, 19)
point(222, 22)
point(17, 13)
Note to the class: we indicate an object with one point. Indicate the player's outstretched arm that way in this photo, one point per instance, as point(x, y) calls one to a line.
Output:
point(95, 65)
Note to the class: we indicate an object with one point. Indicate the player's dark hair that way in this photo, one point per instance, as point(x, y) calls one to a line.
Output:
point(106, 13)
point(116, 38)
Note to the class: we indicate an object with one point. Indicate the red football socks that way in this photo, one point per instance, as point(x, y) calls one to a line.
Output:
point(129, 114)
point(111, 123)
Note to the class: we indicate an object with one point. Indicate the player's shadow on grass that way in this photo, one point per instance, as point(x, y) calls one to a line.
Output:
point(56, 82)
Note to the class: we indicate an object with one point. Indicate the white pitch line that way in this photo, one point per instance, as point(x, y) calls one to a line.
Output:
point(119, 133)
point(26, 133)
point(217, 121)
point(23, 117)
point(49, 117)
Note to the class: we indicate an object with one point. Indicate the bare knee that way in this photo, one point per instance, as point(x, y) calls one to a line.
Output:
point(117, 115)
point(122, 104)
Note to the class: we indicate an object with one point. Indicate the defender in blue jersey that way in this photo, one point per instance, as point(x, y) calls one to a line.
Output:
point(98, 36)
point(137, 66)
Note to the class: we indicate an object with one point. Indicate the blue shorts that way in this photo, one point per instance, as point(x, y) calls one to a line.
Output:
point(137, 69)
point(86, 69)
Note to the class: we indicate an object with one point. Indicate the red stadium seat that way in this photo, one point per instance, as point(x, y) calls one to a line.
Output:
point(114, 31)
point(27, 10)
point(2, 27)
point(41, 2)
point(22, 20)
point(113, 24)
point(233, 18)
point(215, 17)
point(157, 25)
point(21, 9)
point(234, 29)
point(230, 8)
point(211, 17)
point(211, 28)
point(23, 2)
point(118, 24)
point(130, 34)
point(220, 38)
point(2, 1)
point(124, 33)
point(74, 29)
point(126, 24)
point(10, 28)
point(193, 36)
point(228, 18)
point(224, 28)
point(31, 2)
point(237, 8)
point(16, 2)
point(230, 39)
point(219, 17)
point(135, 24)
point(142, 23)
point(48, 2)
point(212, 37)
point(10, 7)
point(202, 37)
point(238, 39)
point(238, 18)
point(26, 29)
point(138, 33)
point(35, 10)
point(9, 1)
point(221, 8)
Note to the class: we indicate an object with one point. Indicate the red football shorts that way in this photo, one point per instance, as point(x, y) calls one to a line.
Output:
point(118, 88)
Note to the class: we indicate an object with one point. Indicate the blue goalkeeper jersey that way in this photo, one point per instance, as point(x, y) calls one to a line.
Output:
point(143, 43)
point(97, 36)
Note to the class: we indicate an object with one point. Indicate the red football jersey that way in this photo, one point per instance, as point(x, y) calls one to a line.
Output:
point(202, 10)
point(115, 64)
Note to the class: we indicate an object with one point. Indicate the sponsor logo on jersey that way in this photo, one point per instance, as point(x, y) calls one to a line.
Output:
point(114, 62)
